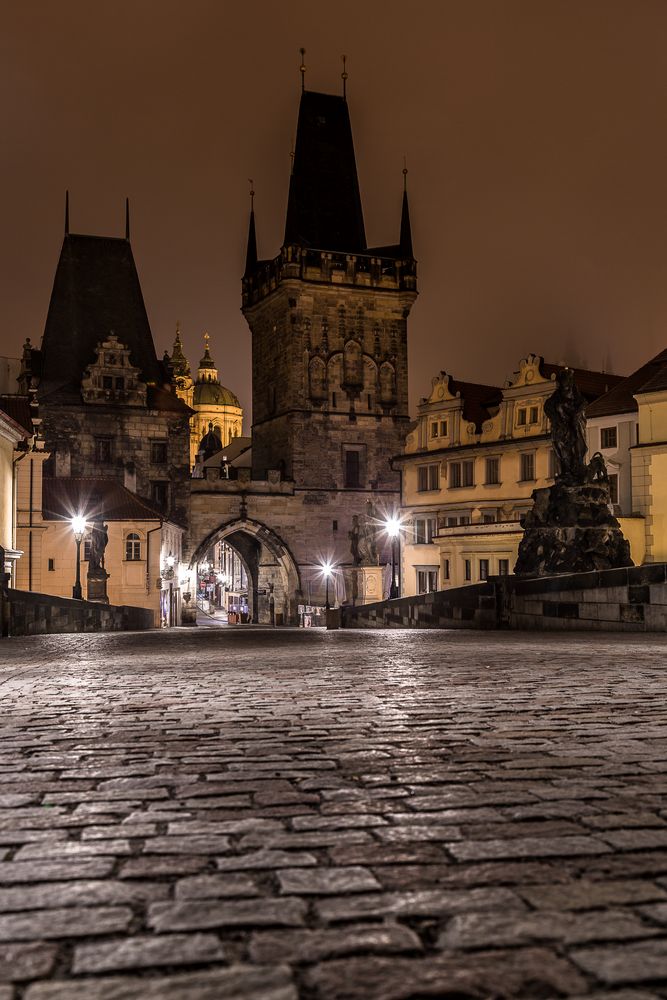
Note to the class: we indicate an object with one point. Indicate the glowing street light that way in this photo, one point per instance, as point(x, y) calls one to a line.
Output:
point(392, 526)
point(78, 525)
point(327, 572)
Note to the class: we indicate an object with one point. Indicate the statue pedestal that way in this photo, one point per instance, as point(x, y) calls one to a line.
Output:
point(96, 589)
point(570, 529)
point(364, 584)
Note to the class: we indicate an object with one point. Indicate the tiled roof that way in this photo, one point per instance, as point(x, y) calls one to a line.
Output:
point(324, 205)
point(591, 384)
point(91, 497)
point(477, 400)
point(96, 292)
point(18, 409)
point(620, 398)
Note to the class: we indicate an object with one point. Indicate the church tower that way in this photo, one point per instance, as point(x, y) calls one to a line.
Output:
point(328, 318)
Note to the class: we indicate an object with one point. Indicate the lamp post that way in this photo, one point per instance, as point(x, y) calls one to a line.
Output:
point(393, 528)
point(79, 528)
point(327, 569)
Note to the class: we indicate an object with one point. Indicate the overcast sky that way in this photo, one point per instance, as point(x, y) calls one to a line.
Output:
point(535, 133)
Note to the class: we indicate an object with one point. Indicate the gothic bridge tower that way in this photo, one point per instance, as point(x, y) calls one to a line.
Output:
point(328, 318)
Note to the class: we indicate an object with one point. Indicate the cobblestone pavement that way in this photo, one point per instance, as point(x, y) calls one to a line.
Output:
point(201, 815)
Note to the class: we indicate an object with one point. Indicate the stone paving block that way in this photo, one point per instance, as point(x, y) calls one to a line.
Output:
point(237, 983)
point(495, 974)
point(207, 827)
point(120, 830)
point(493, 929)
point(311, 838)
point(266, 859)
point(314, 945)
point(337, 822)
point(385, 854)
point(148, 866)
point(51, 895)
point(633, 840)
point(585, 894)
point(26, 961)
point(64, 923)
point(630, 963)
point(72, 849)
point(43, 871)
point(326, 881)
point(211, 844)
point(147, 951)
point(185, 915)
point(438, 902)
point(521, 847)
point(215, 886)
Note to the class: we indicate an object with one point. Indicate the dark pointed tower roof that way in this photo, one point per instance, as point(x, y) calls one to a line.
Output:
point(251, 251)
point(405, 239)
point(179, 362)
point(96, 291)
point(324, 206)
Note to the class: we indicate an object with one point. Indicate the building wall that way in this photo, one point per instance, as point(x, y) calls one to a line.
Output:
point(8, 440)
point(617, 458)
point(71, 432)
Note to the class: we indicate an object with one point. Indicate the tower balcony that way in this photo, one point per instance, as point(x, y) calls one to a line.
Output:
point(325, 267)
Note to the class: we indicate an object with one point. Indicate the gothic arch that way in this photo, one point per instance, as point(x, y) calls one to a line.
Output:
point(272, 569)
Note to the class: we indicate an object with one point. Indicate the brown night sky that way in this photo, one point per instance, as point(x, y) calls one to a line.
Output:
point(535, 133)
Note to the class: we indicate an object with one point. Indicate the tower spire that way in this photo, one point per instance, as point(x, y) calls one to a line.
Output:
point(405, 240)
point(302, 69)
point(251, 251)
point(127, 218)
point(343, 77)
point(66, 213)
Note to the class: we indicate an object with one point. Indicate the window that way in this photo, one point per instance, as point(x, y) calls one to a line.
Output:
point(132, 547)
point(484, 569)
point(427, 580)
point(452, 522)
point(334, 526)
point(613, 488)
point(352, 468)
point(521, 417)
point(434, 429)
point(52, 565)
point(464, 519)
point(445, 569)
point(119, 382)
point(503, 567)
point(462, 474)
point(492, 471)
point(467, 570)
point(158, 452)
point(160, 494)
point(107, 382)
point(103, 450)
point(608, 437)
point(534, 414)
point(428, 478)
point(527, 467)
point(444, 430)
point(488, 518)
point(425, 529)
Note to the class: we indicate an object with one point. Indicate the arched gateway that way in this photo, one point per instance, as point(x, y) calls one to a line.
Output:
point(274, 583)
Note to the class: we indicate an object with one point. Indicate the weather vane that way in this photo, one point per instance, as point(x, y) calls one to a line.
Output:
point(302, 69)
point(343, 76)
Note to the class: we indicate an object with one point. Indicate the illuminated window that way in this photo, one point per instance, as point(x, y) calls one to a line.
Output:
point(608, 437)
point(132, 547)
point(425, 529)
point(434, 429)
point(527, 460)
point(493, 471)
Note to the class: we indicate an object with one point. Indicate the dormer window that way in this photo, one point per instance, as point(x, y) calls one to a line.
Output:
point(521, 417)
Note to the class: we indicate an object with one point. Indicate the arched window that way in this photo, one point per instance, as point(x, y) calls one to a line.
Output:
point(353, 366)
point(132, 547)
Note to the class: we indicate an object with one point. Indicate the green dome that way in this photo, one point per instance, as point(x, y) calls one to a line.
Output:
point(214, 394)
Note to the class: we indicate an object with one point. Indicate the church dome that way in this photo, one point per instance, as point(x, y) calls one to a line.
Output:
point(214, 394)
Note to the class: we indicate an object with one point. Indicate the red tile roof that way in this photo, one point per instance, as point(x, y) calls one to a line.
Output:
point(620, 398)
point(91, 497)
point(18, 409)
point(590, 384)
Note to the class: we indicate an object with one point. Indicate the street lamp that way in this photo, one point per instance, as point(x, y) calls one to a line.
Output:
point(79, 528)
point(327, 570)
point(392, 526)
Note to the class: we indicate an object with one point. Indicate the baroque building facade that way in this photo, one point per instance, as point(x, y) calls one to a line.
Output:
point(210, 401)
point(328, 323)
point(469, 469)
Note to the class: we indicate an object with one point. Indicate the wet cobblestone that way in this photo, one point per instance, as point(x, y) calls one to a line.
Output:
point(283, 815)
